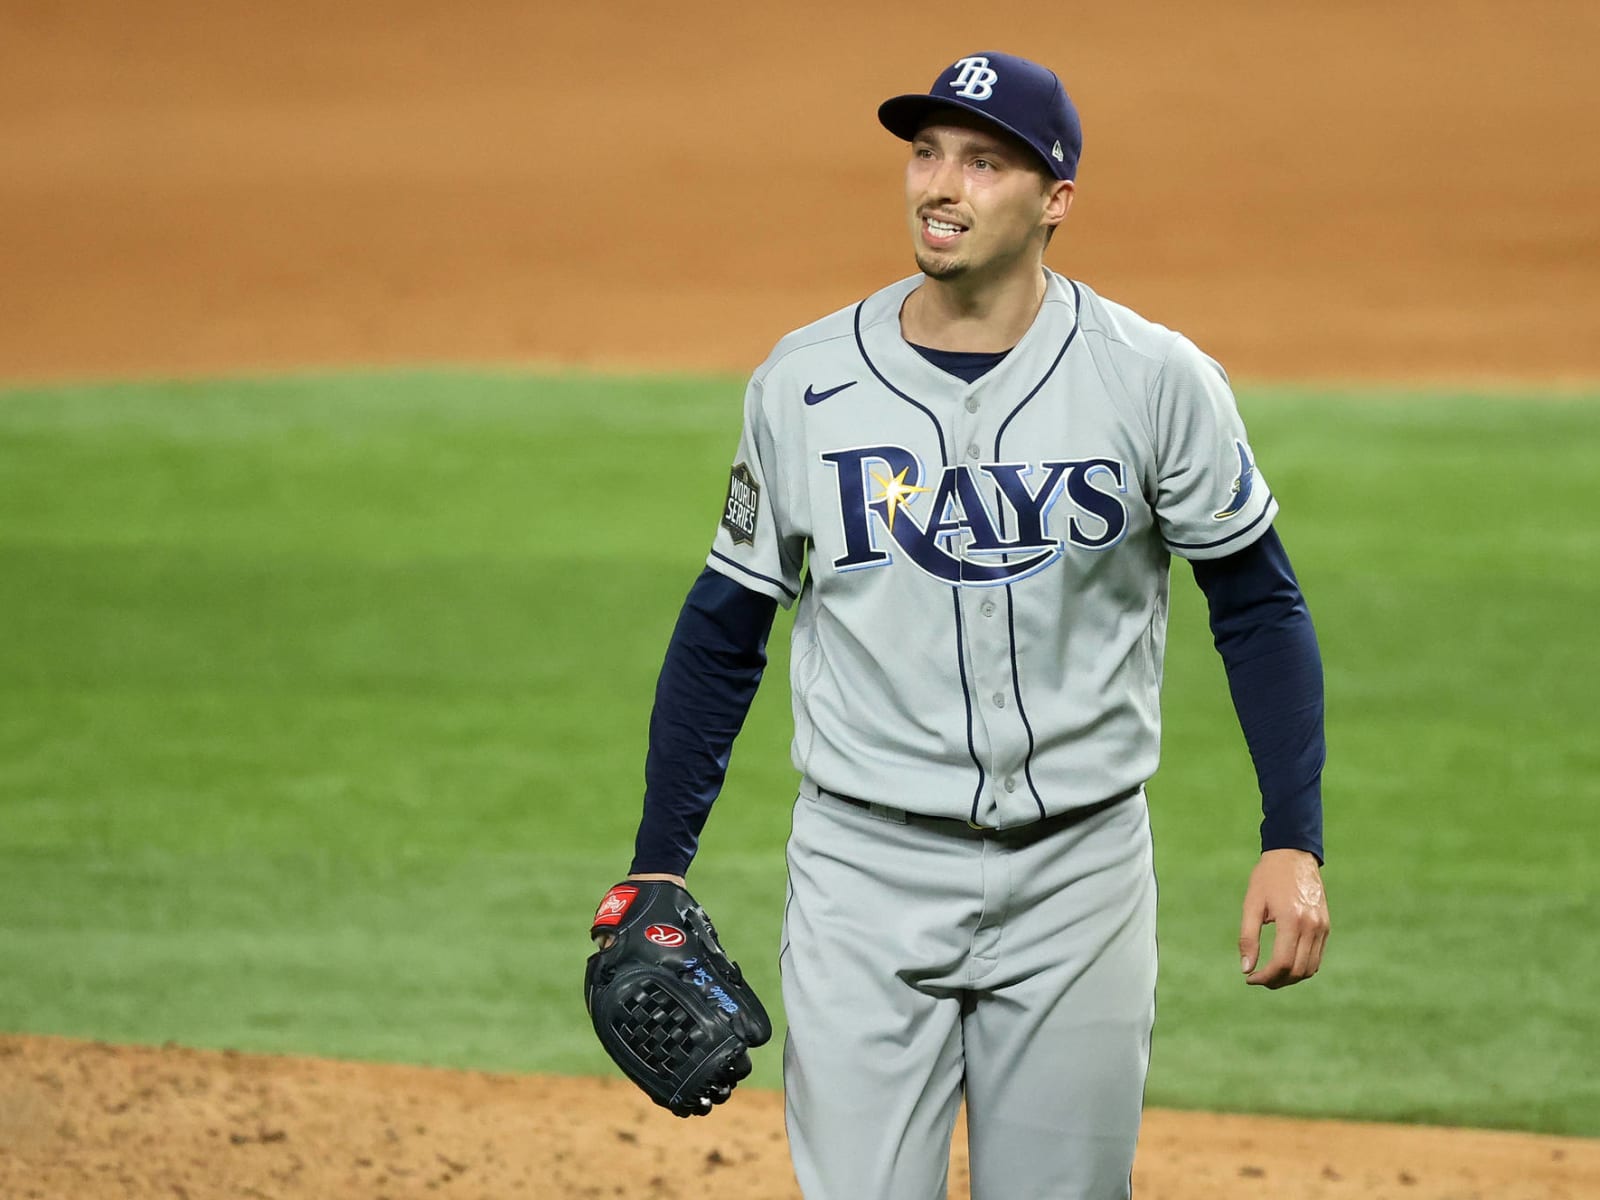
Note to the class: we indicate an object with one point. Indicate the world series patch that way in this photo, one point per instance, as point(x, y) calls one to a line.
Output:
point(744, 505)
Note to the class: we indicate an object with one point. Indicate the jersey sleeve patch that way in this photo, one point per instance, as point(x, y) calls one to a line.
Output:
point(1243, 485)
point(743, 506)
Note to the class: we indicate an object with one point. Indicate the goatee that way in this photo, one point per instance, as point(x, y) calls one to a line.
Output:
point(939, 268)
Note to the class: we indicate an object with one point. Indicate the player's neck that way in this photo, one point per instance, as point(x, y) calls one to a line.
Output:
point(977, 316)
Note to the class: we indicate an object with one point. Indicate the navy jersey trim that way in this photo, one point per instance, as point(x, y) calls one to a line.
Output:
point(955, 593)
point(861, 347)
point(739, 566)
point(966, 692)
point(1011, 608)
point(1077, 301)
point(1016, 688)
point(1232, 537)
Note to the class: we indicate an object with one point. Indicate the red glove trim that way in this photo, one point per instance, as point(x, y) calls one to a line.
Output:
point(615, 906)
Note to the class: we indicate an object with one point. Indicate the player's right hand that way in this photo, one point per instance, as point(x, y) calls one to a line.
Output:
point(603, 939)
point(668, 1004)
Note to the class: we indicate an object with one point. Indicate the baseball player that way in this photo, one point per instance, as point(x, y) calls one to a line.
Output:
point(972, 483)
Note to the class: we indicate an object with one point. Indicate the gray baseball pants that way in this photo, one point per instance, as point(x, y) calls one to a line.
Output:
point(923, 960)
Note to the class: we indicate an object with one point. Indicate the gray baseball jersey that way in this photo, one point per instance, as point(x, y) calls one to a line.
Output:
point(982, 568)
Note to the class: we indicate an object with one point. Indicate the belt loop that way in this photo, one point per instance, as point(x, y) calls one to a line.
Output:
point(897, 815)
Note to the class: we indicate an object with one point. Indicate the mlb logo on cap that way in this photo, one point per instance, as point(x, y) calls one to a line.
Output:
point(1021, 97)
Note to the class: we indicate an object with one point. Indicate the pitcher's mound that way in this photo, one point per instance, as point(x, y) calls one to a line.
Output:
point(90, 1121)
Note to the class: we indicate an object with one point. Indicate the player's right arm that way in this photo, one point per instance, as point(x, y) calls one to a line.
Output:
point(717, 653)
point(708, 680)
point(718, 649)
point(709, 675)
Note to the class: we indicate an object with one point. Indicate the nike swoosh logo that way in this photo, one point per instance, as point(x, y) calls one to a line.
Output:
point(815, 397)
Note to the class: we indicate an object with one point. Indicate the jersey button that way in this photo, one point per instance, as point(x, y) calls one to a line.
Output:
point(987, 608)
point(972, 404)
point(1011, 783)
point(972, 452)
point(999, 699)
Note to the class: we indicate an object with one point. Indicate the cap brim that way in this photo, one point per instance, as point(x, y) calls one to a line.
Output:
point(904, 115)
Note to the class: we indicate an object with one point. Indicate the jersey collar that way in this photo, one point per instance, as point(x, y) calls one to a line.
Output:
point(904, 370)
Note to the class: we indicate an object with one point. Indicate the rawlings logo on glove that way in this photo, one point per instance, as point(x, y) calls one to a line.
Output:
point(670, 1008)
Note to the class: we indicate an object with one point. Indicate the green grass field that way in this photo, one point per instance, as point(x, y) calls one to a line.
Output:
point(322, 712)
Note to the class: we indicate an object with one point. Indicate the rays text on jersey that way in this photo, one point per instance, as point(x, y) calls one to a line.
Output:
point(950, 529)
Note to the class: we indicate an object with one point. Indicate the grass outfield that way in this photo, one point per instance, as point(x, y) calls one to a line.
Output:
point(322, 711)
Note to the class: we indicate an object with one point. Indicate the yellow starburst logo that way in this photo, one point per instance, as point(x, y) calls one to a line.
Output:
point(896, 494)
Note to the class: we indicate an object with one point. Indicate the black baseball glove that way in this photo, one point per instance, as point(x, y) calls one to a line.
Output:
point(670, 1007)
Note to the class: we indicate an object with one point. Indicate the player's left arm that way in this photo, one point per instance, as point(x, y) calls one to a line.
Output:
point(1216, 509)
point(1264, 633)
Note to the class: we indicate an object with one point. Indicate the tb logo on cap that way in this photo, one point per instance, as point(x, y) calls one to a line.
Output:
point(976, 81)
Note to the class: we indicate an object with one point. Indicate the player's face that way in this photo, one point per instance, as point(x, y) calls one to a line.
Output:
point(976, 201)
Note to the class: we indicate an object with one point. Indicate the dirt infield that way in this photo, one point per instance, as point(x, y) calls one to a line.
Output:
point(86, 1121)
point(1360, 191)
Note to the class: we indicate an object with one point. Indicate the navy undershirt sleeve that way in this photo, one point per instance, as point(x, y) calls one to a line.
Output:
point(708, 679)
point(1263, 631)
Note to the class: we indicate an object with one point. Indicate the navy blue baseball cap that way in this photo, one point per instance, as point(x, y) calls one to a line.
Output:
point(1021, 97)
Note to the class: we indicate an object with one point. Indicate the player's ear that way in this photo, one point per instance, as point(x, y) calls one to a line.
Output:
point(1057, 200)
